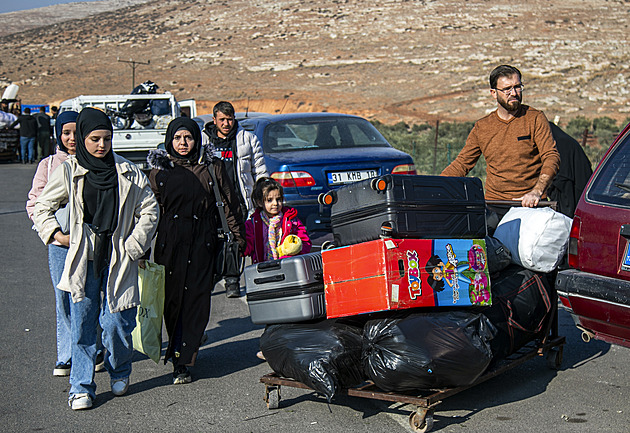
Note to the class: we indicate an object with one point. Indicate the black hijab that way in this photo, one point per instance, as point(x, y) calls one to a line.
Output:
point(191, 126)
point(100, 191)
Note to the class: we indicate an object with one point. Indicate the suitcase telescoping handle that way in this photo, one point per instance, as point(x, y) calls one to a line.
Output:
point(272, 279)
point(516, 203)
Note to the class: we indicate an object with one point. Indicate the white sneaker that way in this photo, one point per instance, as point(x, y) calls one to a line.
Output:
point(120, 386)
point(62, 369)
point(80, 401)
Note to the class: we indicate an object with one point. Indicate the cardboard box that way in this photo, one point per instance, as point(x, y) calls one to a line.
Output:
point(392, 274)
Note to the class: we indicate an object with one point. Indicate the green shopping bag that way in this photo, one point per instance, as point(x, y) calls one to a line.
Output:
point(147, 335)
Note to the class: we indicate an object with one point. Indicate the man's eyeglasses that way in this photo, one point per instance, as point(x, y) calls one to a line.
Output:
point(507, 91)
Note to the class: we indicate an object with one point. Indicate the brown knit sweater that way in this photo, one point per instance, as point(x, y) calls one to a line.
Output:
point(517, 152)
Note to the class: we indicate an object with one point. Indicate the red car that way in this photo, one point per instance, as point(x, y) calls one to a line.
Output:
point(596, 290)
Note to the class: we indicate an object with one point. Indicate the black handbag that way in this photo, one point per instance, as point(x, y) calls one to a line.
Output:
point(229, 262)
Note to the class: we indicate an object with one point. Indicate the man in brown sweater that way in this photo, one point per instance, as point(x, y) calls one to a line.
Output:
point(516, 141)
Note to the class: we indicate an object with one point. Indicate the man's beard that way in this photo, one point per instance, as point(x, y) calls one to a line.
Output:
point(510, 106)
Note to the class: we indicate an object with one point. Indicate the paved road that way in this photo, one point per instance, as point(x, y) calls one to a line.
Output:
point(591, 393)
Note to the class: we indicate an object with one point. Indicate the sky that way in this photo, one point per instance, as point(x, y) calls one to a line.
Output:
point(15, 5)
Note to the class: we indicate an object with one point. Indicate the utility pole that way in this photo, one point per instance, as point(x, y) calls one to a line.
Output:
point(133, 64)
point(435, 146)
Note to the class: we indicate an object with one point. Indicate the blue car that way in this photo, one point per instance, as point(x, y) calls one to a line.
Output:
point(312, 153)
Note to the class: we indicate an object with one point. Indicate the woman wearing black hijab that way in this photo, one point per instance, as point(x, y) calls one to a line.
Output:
point(113, 216)
point(187, 240)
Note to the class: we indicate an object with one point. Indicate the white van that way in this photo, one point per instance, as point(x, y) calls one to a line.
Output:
point(139, 121)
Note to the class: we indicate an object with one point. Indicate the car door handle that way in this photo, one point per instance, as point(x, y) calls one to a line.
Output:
point(625, 230)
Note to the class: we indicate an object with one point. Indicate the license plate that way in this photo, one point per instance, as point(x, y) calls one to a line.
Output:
point(625, 265)
point(343, 177)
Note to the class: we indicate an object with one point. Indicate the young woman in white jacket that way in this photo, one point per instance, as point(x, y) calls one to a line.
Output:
point(113, 217)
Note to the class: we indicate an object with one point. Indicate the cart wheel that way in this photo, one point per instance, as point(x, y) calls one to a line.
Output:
point(421, 421)
point(272, 397)
point(554, 358)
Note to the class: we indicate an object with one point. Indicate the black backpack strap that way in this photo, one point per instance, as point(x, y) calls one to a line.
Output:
point(226, 233)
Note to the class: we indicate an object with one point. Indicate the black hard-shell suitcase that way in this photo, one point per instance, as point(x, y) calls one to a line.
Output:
point(408, 206)
point(286, 290)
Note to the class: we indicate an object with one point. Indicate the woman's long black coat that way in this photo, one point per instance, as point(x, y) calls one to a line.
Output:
point(187, 242)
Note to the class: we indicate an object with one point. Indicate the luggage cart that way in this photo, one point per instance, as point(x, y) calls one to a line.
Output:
point(421, 419)
point(549, 344)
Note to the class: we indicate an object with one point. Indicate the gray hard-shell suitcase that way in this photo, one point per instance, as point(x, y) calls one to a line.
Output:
point(286, 290)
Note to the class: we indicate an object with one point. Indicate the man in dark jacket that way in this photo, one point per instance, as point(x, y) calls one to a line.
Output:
point(43, 133)
point(28, 135)
point(573, 175)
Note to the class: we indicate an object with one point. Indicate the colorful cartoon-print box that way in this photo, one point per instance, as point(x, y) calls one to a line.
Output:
point(392, 274)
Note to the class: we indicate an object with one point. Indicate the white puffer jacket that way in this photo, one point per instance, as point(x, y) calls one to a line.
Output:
point(251, 163)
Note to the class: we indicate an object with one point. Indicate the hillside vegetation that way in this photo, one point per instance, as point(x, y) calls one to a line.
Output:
point(431, 154)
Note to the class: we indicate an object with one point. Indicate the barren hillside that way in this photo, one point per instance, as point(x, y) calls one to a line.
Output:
point(387, 59)
point(19, 21)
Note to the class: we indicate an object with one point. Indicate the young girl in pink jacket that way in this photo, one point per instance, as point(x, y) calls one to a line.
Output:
point(273, 231)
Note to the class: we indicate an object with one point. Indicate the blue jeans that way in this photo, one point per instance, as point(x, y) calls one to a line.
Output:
point(27, 149)
point(56, 260)
point(85, 317)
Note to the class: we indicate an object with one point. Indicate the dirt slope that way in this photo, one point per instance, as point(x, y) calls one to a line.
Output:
point(393, 60)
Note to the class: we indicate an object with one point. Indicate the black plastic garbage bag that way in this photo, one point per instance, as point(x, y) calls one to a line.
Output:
point(325, 356)
point(135, 106)
point(146, 88)
point(427, 350)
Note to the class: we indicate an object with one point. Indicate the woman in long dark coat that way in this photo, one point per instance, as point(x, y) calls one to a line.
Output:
point(187, 240)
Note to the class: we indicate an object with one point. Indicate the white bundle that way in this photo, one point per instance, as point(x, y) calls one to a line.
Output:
point(536, 237)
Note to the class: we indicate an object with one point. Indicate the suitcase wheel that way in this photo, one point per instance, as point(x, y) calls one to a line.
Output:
point(328, 198)
point(326, 245)
point(388, 229)
point(378, 184)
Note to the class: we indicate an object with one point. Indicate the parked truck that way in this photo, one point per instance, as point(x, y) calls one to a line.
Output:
point(139, 120)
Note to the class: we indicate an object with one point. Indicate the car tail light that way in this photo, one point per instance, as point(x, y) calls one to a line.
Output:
point(293, 179)
point(404, 169)
point(565, 301)
point(574, 236)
